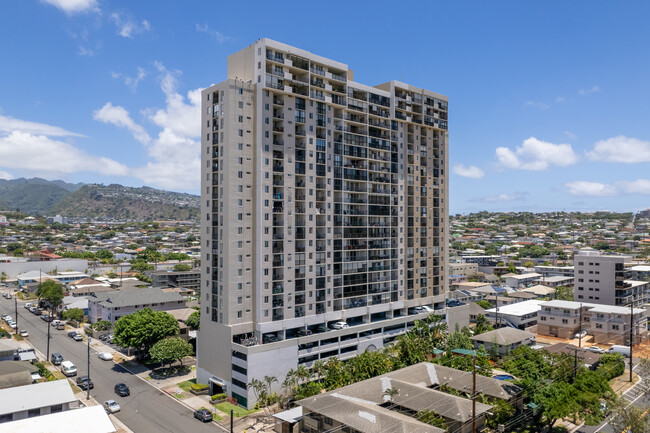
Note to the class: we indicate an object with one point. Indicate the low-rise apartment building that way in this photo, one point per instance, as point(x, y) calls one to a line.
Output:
point(190, 280)
point(35, 400)
point(606, 323)
point(518, 315)
point(522, 280)
point(113, 305)
point(553, 271)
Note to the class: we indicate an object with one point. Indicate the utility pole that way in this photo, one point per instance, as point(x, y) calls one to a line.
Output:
point(231, 420)
point(580, 320)
point(496, 319)
point(474, 393)
point(631, 334)
point(48, 336)
point(88, 384)
point(16, 310)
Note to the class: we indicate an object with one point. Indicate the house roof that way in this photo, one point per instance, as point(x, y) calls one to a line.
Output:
point(520, 308)
point(132, 297)
point(15, 373)
point(27, 397)
point(91, 419)
point(586, 356)
point(504, 336)
point(539, 290)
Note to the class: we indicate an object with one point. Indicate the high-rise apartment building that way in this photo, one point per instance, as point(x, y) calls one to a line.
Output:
point(600, 279)
point(324, 205)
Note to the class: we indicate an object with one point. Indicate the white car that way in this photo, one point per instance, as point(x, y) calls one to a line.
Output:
point(339, 325)
point(426, 309)
point(105, 356)
point(580, 334)
point(8, 319)
point(24, 333)
point(596, 349)
point(111, 406)
point(13, 325)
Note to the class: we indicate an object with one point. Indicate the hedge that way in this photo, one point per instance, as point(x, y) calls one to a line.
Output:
point(218, 396)
point(199, 387)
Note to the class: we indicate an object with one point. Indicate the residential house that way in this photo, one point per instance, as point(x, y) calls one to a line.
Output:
point(505, 339)
point(113, 305)
point(518, 315)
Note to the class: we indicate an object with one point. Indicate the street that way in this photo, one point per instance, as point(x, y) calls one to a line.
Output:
point(146, 410)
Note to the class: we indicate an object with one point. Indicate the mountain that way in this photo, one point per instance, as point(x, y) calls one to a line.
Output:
point(44, 197)
point(33, 195)
point(123, 202)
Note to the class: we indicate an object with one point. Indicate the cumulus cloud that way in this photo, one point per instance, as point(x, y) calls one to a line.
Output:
point(500, 198)
point(585, 92)
point(46, 156)
point(71, 7)
point(131, 82)
point(536, 155)
point(470, 171)
point(597, 189)
point(10, 124)
point(119, 117)
point(127, 26)
point(621, 149)
point(175, 153)
point(220, 37)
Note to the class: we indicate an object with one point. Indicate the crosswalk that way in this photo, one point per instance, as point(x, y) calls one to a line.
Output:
point(636, 393)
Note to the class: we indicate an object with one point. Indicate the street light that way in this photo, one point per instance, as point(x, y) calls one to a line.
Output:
point(121, 272)
point(88, 383)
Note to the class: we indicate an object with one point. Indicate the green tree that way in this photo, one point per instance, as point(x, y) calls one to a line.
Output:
point(182, 267)
point(149, 254)
point(3, 277)
point(482, 325)
point(168, 350)
point(611, 365)
point(141, 266)
point(511, 269)
point(112, 275)
point(102, 325)
point(430, 417)
point(629, 418)
point(458, 340)
point(194, 321)
point(564, 293)
point(144, 328)
point(103, 255)
point(51, 294)
point(556, 400)
point(75, 314)
point(484, 304)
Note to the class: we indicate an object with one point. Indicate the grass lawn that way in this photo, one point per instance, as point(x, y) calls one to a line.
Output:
point(237, 411)
point(185, 386)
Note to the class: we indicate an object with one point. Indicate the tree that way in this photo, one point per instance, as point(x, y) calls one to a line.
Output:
point(112, 275)
point(3, 277)
point(484, 304)
point(168, 350)
point(390, 394)
point(75, 314)
point(182, 267)
point(103, 255)
point(50, 293)
point(556, 400)
point(141, 266)
point(511, 269)
point(430, 417)
point(144, 328)
point(529, 264)
point(102, 325)
point(564, 293)
point(194, 321)
point(629, 418)
point(611, 365)
point(458, 340)
point(482, 325)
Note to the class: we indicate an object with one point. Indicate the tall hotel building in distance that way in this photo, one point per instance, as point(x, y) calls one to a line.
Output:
point(323, 200)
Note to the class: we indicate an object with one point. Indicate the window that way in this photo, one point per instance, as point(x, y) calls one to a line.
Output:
point(33, 412)
point(239, 314)
point(240, 132)
point(240, 119)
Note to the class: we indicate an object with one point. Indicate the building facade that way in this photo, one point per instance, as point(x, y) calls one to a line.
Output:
point(600, 279)
point(323, 200)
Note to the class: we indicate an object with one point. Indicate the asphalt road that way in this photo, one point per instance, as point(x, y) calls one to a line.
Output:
point(146, 410)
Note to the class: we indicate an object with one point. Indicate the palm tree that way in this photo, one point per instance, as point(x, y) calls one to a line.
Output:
point(303, 373)
point(390, 393)
point(318, 369)
point(258, 388)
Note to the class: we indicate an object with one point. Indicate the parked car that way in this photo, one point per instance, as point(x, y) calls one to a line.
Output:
point(580, 334)
point(623, 350)
point(4, 316)
point(103, 337)
point(270, 338)
point(596, 349)
point(111, 406)
point(339, 325)
point(68, 368)
point(122, 390)
point(28, 305)
point(303, 333)
point(78, 337)
point(7, 318)
point(7, 295)
point(13, 325)
point(105, 356)
point(85, 383)
point(71, 334)
point(24, 333)
point(56, 358)
point(203, 415)
point(322, 328)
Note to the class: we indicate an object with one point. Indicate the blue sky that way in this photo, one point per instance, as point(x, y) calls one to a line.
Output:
point(548, 100)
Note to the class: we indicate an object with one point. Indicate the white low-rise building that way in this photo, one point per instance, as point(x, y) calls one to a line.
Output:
point(518, 315)
point(34, 400)
point(113, 305)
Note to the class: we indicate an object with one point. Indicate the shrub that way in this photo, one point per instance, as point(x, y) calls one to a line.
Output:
point(611, 365)
point(218, 396)
point(199, 387)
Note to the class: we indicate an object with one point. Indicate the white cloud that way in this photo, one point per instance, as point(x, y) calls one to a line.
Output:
point(536, 155)
point(596, 189)
point(500, 198)
point(131, 82)
point(127, 26)
point(585, 92)
point(175, 152)
point(5, 175)
point(74, 6)
point(471, 171)
point(220, 37)
point(85, 51)
point(571, 135)
point(621, 149)
point(45, 156)
point(11, 124)
point(537, 104)
point(119, 117)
